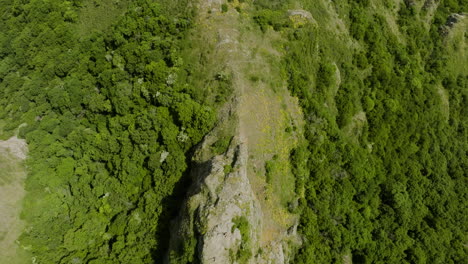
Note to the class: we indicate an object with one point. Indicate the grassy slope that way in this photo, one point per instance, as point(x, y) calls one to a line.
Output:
point(12, 175)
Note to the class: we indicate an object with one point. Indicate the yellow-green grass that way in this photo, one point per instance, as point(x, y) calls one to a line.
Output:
point(12, 174)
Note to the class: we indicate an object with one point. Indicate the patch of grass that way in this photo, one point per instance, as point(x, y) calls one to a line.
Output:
point(9, 168)
point(457, 49)
point(221, 146)
point(11, 173)
point(276, 171)
point(99, 15)
point(244, 253)
point(227, 169)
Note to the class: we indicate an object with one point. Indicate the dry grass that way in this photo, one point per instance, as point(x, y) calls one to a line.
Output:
point(12, 175)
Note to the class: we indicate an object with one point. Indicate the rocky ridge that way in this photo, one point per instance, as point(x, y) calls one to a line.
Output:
point(226, 218)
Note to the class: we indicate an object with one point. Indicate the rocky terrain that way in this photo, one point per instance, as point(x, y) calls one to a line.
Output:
point(232, 214)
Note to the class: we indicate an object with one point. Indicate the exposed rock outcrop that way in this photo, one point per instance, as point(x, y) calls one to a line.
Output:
point(300, 12)
point(452, 21)
point(221, 221)
point(454, 18)
point(300, 17)
point(221, 195)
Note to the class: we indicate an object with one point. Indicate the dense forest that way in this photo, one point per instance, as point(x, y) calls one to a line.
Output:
point(109, 120)
point(382, 173)
point(111, 117)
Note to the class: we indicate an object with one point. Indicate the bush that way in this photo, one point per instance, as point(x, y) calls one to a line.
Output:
point(266, 18)
point(224, 8)
point(221, 145)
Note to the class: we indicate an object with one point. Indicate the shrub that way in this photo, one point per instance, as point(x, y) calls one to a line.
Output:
point(224, 8)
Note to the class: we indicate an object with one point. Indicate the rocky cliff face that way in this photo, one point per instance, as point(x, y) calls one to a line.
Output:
point(232, 213)
point(221, 197)
point(221, 222)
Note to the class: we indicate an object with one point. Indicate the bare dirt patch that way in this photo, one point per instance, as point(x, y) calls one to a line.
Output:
point(14, 146)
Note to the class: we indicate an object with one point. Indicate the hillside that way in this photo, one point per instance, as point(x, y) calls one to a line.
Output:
point(233, 131)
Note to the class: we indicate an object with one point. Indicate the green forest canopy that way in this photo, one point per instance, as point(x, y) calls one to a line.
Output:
point(391, 189)
point(109, 119)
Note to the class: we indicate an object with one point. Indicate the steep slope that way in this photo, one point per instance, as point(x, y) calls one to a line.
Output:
point(237, 210)
point(386, 174)
point(352, 66)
